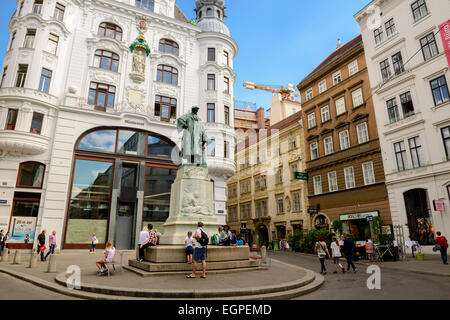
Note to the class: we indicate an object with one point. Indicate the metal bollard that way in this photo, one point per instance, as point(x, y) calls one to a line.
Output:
point(33, 259)
point(52, 264)
point(5, 255)
point(17, 257)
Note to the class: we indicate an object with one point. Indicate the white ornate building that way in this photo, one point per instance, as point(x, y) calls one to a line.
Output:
point(409, 73)
point(90, 91)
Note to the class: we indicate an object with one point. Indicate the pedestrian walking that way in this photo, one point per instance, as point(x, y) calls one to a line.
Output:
point(442, 245)
point(322, 252)
point(189, 241)
point(94, 242)
point(41, 244)
point(147, 238)
point(2, 238)
point(336, 254)
point(6, 240)
point(200, 251)
point(349, 246)
point(51, 244)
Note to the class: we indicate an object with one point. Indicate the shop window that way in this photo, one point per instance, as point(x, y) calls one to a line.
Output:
point(24, 217)
point(101, 140)
point(36, 123)
point(420, 223)
point(31, 175)
point(110, 30)
point(159, 148)
point(11, 119)
point(169, 46)
point(131, 142)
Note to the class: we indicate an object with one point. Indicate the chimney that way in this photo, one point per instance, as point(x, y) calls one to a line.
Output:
point(339, 45)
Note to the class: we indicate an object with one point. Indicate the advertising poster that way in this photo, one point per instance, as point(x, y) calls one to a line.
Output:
point(445, 34)
point(20, 227)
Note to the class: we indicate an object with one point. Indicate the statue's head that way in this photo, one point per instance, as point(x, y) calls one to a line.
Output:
point(195, 109)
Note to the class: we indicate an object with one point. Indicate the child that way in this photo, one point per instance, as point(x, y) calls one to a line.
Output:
point(109, 255)
point(94, 243)
point(189, 248)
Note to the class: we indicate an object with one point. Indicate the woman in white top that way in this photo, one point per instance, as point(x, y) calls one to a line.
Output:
point(322, 252)
point(336, 253)
point(143, 238)
point(109, 256)
point(189, 247)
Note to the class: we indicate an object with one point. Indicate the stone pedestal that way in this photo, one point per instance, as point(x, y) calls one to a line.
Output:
point(191, 201)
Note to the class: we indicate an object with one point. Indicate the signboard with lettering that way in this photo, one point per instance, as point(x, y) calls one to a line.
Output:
point(357, 216)
point(445, 35)
point(301, 175)
point(20, 227)
point(438, 205)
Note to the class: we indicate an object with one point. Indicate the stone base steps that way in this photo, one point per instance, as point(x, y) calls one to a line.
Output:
point(146, 274)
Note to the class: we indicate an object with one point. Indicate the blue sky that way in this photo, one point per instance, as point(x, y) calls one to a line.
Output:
point(280, 41)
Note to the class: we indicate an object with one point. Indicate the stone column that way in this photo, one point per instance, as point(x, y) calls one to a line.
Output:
point(140, 200)
point(114, 199)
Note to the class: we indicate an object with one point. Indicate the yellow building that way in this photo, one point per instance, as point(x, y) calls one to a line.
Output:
point(264, 199)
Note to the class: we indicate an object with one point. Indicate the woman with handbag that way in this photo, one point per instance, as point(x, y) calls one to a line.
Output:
point(93, 243)
point(322, 252)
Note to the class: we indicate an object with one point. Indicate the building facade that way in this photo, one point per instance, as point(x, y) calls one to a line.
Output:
point(409, 74)
point(89, 95)
point(343, 157)
point(265, 201)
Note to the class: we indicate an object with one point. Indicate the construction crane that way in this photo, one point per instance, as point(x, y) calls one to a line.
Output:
point(287, 93)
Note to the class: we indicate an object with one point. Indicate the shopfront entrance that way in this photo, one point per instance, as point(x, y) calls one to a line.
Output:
point(121, 180)
point(357, 225)
point(419, 219)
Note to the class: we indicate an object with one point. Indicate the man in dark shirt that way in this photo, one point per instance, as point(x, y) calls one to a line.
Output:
point(41, 243)
point(349, 245)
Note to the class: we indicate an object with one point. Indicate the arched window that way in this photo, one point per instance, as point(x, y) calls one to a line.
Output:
point(106, 60)
point(218, 14)
point(31, 175)
point(168, 46)
point(209, 12)
point(200, 14)
point(110, 30)
point(167, 74)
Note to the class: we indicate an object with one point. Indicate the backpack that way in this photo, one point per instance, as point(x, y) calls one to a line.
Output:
point(215, 239)
point(204, 240)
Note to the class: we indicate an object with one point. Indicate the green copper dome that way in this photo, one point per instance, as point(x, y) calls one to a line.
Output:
point(140, 43)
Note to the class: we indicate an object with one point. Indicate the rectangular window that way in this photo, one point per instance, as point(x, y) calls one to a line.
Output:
point(344, 139)
point(52, 45)
point(314, 150)
point(385, 70)
point(226, 148)
point(369, 177)
point(21, 75)
point(416, 152)
point(390, 28)
point(29, 38)
point(328, 145)
point(407, 104)
point(378, 34)
point(5, 69)
point(392, 109)
point(294, 169)
point(311, 120)
point(165, 108)
point(101, 96)
point(292, 144)
point(36, 123)
point(211, 147)
point(332, 181)
point(296, 205)
point(317, 180)
point(145, 4)
point(309, 94)
point(353, 68)
point(226, 82)
point(322, 86)
point(337, 78)
point(340, 106)
point(439, 89)
point(325, 113)
point(363, 134)
point(357, 98)
point(226, 58)
point(400, 155)
point(397, 63)
point(419, 9)
point(446, 139)
point(13, 38)
point(349, 174)
point(279, 176)
point(429, 46)
point(227, 115)
point(11, 119)
point(280, 205)
point(37, 6)
point(59, 12)
point(44, 82)
point(211, 54)
point(211, 82)
point(211, 112)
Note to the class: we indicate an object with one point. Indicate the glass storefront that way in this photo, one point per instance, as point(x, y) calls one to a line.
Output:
point(418, 211)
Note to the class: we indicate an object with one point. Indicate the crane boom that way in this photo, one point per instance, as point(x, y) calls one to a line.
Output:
point(286, 93)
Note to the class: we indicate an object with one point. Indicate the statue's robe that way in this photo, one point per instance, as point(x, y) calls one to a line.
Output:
point(193, 136)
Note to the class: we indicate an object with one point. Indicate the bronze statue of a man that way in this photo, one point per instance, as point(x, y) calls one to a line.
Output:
point(194, 137)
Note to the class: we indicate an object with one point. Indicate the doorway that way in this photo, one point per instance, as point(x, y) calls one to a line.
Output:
point(125, 224)
point(419, 218)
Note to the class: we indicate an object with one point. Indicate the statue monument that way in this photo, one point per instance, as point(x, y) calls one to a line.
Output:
point(192, 194)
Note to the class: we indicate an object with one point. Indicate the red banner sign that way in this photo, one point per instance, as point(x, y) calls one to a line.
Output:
point(445, 34)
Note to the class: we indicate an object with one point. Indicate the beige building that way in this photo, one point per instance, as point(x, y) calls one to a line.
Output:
point(264, 200)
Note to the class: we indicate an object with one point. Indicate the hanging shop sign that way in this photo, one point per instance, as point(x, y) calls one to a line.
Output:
point(357, 216)
point(21, 226)
point(301, 176)
point(445, 34)
point(438, 205)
